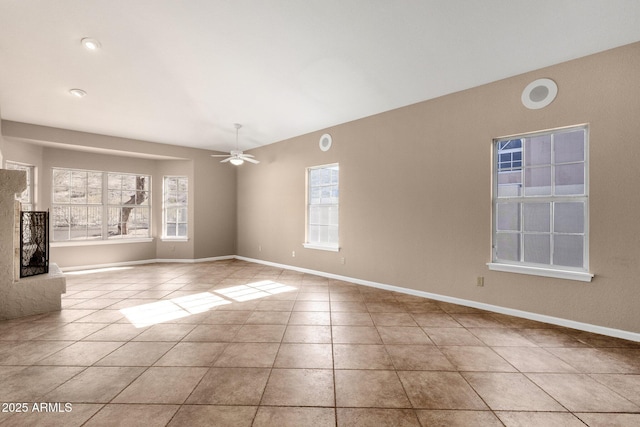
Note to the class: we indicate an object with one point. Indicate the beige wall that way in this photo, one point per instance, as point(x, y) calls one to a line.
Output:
point(415, 193)
point(212, 200)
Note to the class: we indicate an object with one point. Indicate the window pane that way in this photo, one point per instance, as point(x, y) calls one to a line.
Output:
point(568, 250)
point(61, 195)
point(170, 229)
point(537, 217)
point(569, 146)
point(182, 230)
point(537, 181)
point(538, 150)
point(510, 184)
point(568, 217)
point(537, 248)
point(570, 179)
point(508, 217)
point(508, 246)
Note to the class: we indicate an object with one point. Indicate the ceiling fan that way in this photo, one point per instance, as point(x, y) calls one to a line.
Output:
point(236, 157)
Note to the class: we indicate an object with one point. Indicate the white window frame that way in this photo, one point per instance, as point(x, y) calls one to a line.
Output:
point(101, 207)
point(27, 197)
point(334, 203)
point(181, 203)
point(520, 266)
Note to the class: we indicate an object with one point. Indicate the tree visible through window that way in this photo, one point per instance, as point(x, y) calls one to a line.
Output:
point(94, 205)
point(540, 200)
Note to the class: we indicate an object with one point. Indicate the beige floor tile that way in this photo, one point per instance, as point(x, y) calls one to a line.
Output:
point(136, 354)
point(510, 392)
point(403, 335)
point(95, 385)
point(81, 353)
point(76, 416)
point(311, 306)
point(351, 319)
point(452, 336)
point(435, 320)
point(527, 359)
point(316, 318)
point(309, 334)
point(115, 332)
point(580, 393)
point(268, 318)
point(310, 356)
point(165, 332)
point(128, 415)
point(462, 419)
point(299, 387)
point(439, 390)
point(213, 333)
point(33, 382)
point(192, 354)
point(231, 386)
point(227, 317)
point(546, 419)
point(601, 360)
point(471, 358)
point(627, 386)
point(356, 417)
point(361, 356)
point(260, 333)
point(29, 352)
point(220, 416)
point(393, 319)
point(369, 388)
point(269, 416)
point(248, 355)
point(502, 337)
point(610, 420)
point(167, 385)
point(418, 358)
point(355, 335)
point(348, 307)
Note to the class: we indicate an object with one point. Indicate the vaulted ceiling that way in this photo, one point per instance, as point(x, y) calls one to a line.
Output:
point(182, 72)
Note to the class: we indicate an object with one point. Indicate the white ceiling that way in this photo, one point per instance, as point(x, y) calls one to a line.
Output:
point(182, 72)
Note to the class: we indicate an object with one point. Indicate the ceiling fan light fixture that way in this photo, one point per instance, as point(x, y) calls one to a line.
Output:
point(90, 43)
point(78, 93)
point(236, 161)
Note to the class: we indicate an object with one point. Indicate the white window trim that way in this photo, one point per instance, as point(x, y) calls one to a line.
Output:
point(331, 248)
point(67, 243)
point(164, 212)
point(316, 245)
point(524, 268)
point(539, 271)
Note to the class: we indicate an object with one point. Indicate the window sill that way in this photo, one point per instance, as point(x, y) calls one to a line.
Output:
point(174, 239)
point(539, 271)
point(331, 248)
point(98, 242)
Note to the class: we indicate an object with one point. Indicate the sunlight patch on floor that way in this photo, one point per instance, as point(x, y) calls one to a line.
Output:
point(176, 308)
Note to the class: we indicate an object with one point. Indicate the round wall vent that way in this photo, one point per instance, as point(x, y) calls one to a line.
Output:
point(325, 142)
point(539, 93)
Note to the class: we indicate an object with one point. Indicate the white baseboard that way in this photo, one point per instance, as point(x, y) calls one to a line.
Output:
point(587, 327)
point(617, 333)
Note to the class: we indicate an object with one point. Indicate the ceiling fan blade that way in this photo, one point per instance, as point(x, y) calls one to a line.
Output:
point(219, 155)
point(226, 160)
point(250, 160)
point(246, 155)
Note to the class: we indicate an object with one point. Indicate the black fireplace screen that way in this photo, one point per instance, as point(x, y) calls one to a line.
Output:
point(34, 243)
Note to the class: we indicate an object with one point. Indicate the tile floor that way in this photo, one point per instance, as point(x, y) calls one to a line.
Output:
point(232, 343)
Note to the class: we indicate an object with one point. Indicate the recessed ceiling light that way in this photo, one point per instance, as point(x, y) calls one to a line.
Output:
point(78, 92)
point(91, 44)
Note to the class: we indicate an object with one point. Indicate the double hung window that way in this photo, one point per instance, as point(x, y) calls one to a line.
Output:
point(174, 216)
point(322, 207)
point(540, 203)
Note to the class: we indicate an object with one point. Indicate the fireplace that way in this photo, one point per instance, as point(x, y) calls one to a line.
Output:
point(34, 243)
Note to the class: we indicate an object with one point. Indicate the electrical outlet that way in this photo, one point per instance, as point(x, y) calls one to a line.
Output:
point(259, 248)
point(293, 254)
point(343, 260)
point(480, 281)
